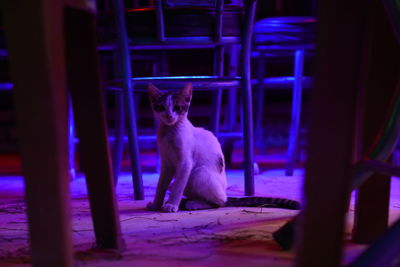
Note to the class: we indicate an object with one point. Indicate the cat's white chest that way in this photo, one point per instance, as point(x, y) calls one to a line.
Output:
point(173, 148)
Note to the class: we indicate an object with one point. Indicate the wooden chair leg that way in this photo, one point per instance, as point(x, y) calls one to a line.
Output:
point(230, 114)
point(34, 34)
point(133, 145)
point(129, 104)
point(372, 203)
point(71, 140)
point(88, 104)
point(331, 133)
point(217, 95)
point(296, 112)
point(232, 94)
point(119, 123)
point(216, 111)
point(247, 102)
point(260, 95)
point(119, 135)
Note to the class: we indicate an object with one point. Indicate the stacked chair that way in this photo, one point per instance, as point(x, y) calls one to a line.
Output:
point(169, 25)
point(283, 38)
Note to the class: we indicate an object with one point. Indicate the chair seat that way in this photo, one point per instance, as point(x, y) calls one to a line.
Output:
point(277, 30)
point(285, 20)
point(203, 83)
point(285, 82)
point(178, 21)
point(282, 49)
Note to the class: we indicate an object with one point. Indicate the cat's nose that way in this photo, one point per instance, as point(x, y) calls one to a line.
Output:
point(169, 116)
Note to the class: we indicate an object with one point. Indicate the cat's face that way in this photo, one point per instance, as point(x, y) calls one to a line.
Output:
point(170, 107)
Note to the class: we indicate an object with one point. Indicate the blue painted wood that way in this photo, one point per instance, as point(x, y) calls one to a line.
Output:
point(233, 71)
point(119, 135)
point(284, 82)
point(71, 140)
point(231, 107)
point(280, 37)
point(260, 95)
point(205, 83)
point(274, 50)
point(124, 60)
point(119, 127)
point(218, 67)
point(284, 20)
point(217, 94)
point(247, 98)
point(160, 21)
point(285, 30)
point(219, 11)
point(296, 112)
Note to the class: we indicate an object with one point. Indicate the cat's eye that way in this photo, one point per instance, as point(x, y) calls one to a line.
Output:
point(178, 108)
point(158, 108)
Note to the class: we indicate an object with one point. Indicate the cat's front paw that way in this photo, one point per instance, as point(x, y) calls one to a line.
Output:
point(152, 207)
point(169, 207)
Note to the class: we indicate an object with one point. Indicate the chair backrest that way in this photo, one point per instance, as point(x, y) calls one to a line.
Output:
point(154, 18)
point(176, 24)
point(165, 22)
point(160, 7)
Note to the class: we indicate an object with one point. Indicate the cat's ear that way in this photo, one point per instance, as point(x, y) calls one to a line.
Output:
point(186, 92)
point(154, 92)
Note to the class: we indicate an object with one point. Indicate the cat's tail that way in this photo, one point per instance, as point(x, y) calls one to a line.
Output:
point(267, 202)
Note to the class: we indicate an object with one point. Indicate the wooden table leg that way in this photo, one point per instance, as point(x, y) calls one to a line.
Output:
point(328, 167)
point(372, 204)
point(34, 33)
point(88, 104)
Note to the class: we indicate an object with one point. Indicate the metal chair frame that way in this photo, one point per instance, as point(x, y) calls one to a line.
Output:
point(217, 41)
point(298, 81)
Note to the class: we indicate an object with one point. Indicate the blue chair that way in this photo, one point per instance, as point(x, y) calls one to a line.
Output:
point(8, 86)
point(167, 26)
point(283, 37)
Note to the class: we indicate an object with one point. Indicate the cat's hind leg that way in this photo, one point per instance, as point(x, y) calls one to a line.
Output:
point(208, 187)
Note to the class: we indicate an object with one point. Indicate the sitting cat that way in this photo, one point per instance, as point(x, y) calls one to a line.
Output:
point(193, 157)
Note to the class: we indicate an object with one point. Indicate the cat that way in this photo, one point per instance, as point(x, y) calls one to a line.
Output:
point(192, 162)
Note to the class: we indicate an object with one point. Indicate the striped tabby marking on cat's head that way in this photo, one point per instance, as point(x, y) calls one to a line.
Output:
point(170, 107)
